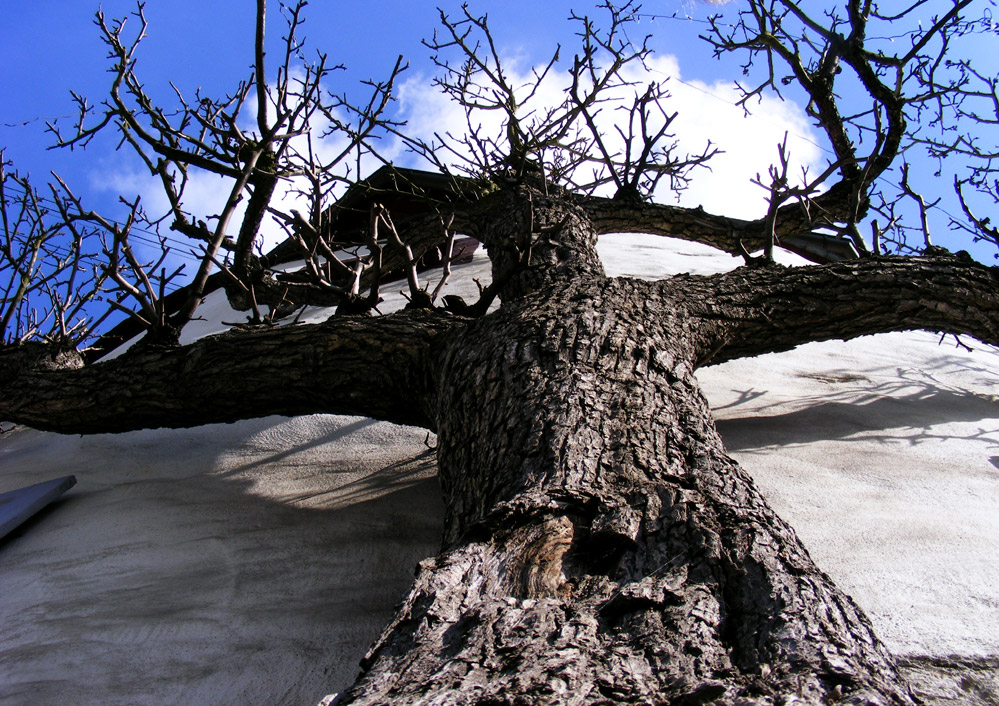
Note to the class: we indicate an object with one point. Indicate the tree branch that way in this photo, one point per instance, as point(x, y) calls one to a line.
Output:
point(695, 224)
point(728, 234)
point(751, 311)
point(380, 368)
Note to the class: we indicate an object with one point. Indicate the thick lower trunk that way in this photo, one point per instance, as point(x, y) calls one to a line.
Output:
point(601, 546)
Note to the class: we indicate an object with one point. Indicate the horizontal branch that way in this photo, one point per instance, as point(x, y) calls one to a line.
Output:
point(694, 224)
point(730, 235)
point(756, 310)
point(376, 367)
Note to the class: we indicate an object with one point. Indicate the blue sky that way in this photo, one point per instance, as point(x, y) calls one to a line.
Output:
point(52, 47)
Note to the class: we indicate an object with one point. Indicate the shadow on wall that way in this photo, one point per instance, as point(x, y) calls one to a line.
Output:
point(244, 563)
point(911, 417)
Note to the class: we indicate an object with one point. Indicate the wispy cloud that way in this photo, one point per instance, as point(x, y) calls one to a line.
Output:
point(706, 113)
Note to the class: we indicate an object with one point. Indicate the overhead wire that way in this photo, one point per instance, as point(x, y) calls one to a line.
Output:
point(151, 237)
point(180, 249)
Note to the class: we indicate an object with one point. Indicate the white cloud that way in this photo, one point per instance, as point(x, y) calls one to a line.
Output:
point(206, 194)
point(707, 112)
point(749, 143)
point(204, 197)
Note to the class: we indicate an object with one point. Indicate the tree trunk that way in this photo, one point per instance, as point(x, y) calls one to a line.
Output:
point(601, 546)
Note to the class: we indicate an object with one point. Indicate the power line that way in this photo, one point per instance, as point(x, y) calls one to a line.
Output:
point(25, 123)
point(685, 18)
point(180, 247)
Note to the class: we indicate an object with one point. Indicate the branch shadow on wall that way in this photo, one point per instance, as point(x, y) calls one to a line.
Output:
point(910, 417)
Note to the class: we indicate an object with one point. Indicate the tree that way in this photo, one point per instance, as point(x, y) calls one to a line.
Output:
point(600, 546)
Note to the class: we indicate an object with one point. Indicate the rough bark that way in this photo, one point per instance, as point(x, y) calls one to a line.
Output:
point(603, 548)
point(764, 309)
point(610, 216)
point(600, 545)
point(347, 365)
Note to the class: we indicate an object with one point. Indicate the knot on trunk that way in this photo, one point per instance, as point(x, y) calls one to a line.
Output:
point(535, 554)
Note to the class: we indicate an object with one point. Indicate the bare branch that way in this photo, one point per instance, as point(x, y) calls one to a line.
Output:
point(49, 282)
point(893, 86)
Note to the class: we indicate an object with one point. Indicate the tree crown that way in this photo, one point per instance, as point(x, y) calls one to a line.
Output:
point(594, 119)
